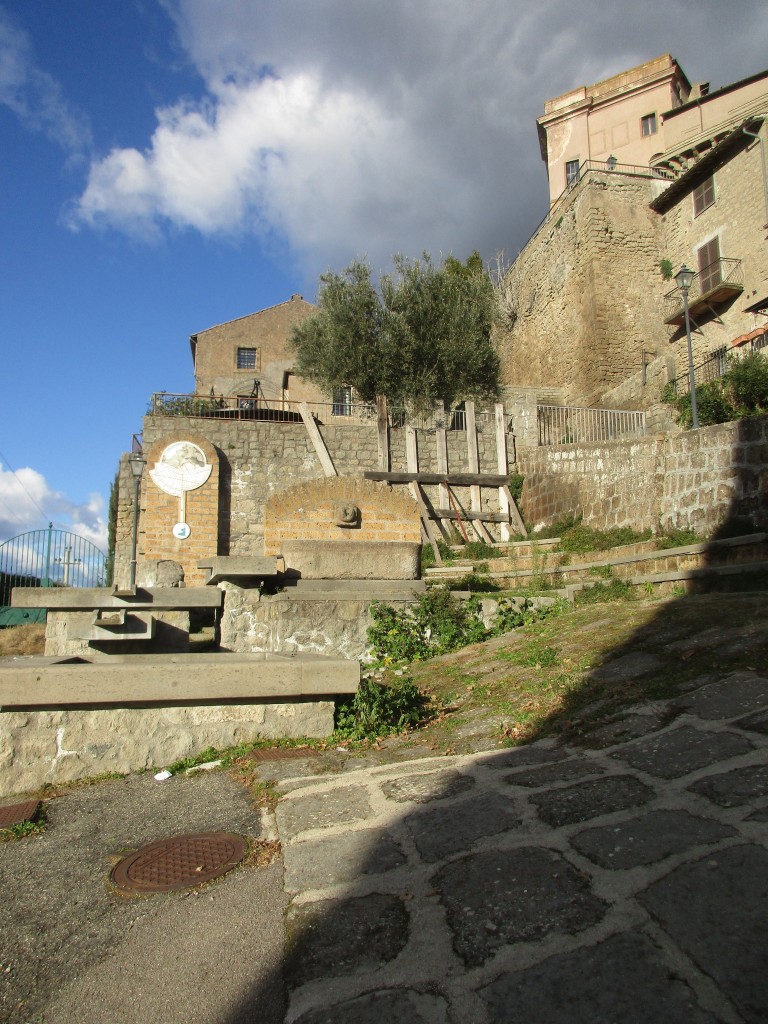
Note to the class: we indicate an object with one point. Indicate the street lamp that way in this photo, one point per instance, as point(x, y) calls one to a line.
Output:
point(684, 277)
point(137, 465)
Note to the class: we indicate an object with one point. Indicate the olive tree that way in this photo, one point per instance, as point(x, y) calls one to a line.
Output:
point(424, 334)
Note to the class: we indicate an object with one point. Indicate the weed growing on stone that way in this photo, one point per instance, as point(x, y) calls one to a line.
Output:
point(24, 829)
point(677, 539)
point(378, 710)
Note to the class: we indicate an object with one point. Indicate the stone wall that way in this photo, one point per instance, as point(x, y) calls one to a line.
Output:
point(588, 292)
point(310, 512)
point(737, 219)
point(259, 459)
point(61, 745)
point(698, 479)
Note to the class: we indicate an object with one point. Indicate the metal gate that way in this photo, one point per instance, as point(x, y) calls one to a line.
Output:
point(46, 558)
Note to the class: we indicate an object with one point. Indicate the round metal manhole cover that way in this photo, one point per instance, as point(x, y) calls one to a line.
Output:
point(181, 862)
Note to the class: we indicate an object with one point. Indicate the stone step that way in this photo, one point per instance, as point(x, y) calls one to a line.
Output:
point(636, 560)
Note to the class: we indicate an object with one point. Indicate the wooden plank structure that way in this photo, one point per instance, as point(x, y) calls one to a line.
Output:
point(449, 508)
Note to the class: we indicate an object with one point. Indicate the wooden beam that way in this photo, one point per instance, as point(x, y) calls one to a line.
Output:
point(382, 428)
point(452, 480)
point(516, 517)
point(317, 440)
point(441, 450)
point(426, 522)
point(501, 463)
point(473, 461)
point(486, 517)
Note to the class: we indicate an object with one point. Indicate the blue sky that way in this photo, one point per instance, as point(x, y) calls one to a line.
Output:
point(166, 165)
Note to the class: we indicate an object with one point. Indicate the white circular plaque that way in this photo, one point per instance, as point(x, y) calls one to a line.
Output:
point(181, 531)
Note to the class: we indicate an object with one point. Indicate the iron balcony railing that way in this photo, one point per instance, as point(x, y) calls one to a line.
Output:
point(724, 273)
point(579, 425)
point(715, 365)
point(340, 413)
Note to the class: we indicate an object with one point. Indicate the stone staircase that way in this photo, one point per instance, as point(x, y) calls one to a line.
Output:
point(735, 563)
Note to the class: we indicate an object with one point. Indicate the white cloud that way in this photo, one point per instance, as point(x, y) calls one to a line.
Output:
point(35, 96)
point(349, 127)
point(28, 503)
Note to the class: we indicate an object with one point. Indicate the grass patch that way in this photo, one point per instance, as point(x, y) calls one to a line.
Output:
point(615, 590)
point(580, 538)
point(534, 654)
point(676, 539)
point(28, 638)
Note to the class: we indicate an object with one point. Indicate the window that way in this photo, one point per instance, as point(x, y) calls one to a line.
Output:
point(709, 265)
point(342, 401)
point(703, 196)
point(648, 125)
point(247, 359)
point(571, 171)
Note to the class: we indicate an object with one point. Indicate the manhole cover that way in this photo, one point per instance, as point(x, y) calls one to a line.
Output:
point(18, 813)
point(179, 863)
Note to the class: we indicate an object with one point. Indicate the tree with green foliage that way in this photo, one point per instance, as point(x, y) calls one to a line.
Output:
point(109, 565)
point(423, 335)
point(741, 392)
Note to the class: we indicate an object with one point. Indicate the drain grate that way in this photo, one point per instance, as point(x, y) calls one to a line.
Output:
point(15, 814)
point(181, 862)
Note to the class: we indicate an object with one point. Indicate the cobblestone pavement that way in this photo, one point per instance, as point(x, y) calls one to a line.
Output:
point(623, 883)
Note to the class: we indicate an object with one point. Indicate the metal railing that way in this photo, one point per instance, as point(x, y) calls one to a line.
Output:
point(330, 413)
point(716, 365)
point(722, 271)
point(579, 425)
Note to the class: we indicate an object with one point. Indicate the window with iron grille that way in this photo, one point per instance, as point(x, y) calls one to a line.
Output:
point(571, 171)
point(709, 265)
point(703, 196)
point(247, 359)
point(648, 125)
point(342, 401)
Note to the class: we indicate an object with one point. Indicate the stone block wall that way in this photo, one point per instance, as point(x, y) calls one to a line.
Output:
point(699, 479)
point(257, 460)
point(612, 484)
point(309, 512)
point(589, 292)
point(714, 474)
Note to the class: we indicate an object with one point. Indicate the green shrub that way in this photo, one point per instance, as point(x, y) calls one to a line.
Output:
point(747, 384)
point(677, 538)
point(475, 583)
point(436, 624)
point(380, 710)
point(616, 590)
point(580, 538)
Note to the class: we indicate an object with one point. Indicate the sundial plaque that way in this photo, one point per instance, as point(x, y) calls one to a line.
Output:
point(182, 467)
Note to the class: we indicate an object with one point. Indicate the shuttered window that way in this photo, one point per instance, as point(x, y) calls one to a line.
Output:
point(703, 196)
point(709, 265)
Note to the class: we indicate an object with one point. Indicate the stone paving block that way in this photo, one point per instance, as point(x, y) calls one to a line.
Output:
point(443, 830)
point(519, 757)
point(499, 897)
point(337, 859)
point(757, 722)
point(587, 800)
point(627, 727)
point(680, 751)
point(619, 981)
point(323, 810)
point(737, 694)
point(402, 1005)
point(629, 666)
point(334, 937)
point(717, 910)
point(427, 786)
point(648, 838)
point(734, 788)
point(575, 768)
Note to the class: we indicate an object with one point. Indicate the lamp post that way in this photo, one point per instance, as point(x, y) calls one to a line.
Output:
point(137, 465)
point(684, 277)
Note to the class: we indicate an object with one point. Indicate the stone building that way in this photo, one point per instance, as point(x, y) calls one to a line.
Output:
point(590, 306)
point(250, 357)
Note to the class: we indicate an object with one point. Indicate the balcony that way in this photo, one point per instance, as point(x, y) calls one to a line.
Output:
point(714, 285)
